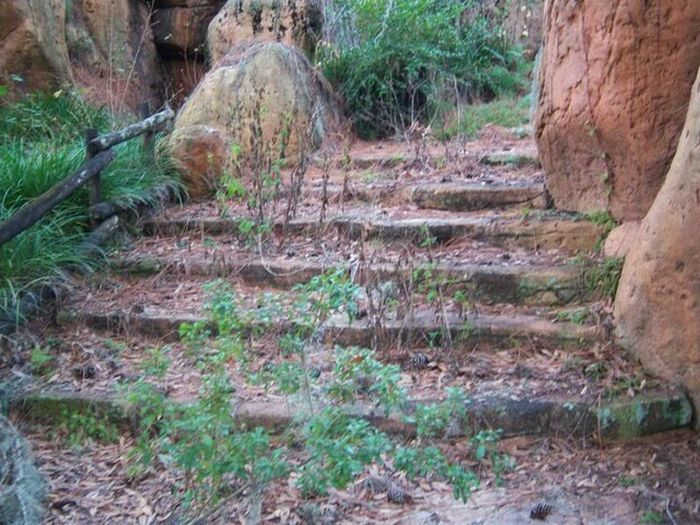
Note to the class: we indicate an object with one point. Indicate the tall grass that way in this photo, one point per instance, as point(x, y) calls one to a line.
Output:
point(40, 145)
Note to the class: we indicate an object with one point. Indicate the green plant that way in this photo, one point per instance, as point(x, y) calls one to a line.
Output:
point(574, 315)
point(40, 145)
point(601, 278)
point(216, 453)
point(652, 516)
point(603, 219)
point(485, 446)
point(433, 420)
point(80, 427)
point(505, 112)
point(627, 481)
point(396, 63)
point(41, 360)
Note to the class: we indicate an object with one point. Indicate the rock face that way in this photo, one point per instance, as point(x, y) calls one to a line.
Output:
point(293, 22)
point(22, 489)
point(260, 101)
point(180, 32)
point(111, 48)
point(105, 46)
point(180, 26)
point(657, 307)
point(33, 49)
point(614, 84)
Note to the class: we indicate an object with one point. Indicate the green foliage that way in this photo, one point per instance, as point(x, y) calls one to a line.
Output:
point(57, 118)
point(357, 372)
point(601, 278)
point(434, 420)
point(41, 360)
point(399, 61)
point(340, 447)
point(652, 516)
point(216, 453)
point(78, 428)
point(40, 145)
point(485, 446)
point(574, 315)
point(505, 112)
point(602, 218)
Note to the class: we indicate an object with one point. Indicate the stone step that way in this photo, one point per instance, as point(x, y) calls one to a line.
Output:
point(459, 196)
point(489, 283)
point(547, 232)
point(461, 332)
point(421, 328)
point(617, 419)
point(516, 158)
point(455, 196)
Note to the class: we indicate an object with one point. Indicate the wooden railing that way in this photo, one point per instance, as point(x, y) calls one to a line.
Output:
point(99, 153)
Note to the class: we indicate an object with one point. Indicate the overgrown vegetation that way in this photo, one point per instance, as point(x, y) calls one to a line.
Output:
point(399, 63)
point(40, 145)
point(219, 456)
point(601, 278)
point(508, 112)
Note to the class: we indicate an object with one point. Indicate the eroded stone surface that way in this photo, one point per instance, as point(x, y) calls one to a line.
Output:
point(658, 301)
point(295, 23)
point(614, 88)
point(262, 101)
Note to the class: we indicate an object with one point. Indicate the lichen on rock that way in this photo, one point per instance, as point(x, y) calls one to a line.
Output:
point(22, 489)
point(261, 99)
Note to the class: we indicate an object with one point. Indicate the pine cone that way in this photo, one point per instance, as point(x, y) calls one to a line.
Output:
point(540, 511)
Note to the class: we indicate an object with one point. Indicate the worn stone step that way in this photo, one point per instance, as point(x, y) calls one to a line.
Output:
point(491, 283)
point(461, 332)
point(419, 329)
point(516, 158)
point(608, 420)
point(547, 232)
point(456, 196)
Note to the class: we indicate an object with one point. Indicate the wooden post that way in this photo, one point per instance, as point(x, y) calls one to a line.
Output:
point(90, 152)
point(148, 142)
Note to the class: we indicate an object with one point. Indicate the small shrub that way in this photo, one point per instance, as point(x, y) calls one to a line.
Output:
point(79, 428)
point(602, 278)
point(41, 360)
point(396, 63)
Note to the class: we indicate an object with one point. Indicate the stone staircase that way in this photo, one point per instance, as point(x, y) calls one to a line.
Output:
point(530, 346)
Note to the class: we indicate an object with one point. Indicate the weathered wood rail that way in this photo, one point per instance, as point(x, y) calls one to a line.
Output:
point(98, 155)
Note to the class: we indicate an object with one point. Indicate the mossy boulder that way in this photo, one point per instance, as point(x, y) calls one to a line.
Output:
point(261, 101)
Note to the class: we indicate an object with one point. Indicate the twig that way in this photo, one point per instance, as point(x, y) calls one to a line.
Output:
point(668, 512)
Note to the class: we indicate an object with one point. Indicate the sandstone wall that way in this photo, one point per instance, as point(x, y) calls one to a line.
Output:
point(105, 46)
point(657, 308)
point(614, 89)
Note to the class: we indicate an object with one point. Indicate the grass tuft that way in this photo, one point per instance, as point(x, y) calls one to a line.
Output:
point(504, 112)
point(40, 145)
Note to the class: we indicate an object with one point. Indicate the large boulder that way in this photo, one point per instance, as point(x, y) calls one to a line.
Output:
point(296, 23)
point(657, 308)
point(261, 100)
point(614, 84)
point(104, 46)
